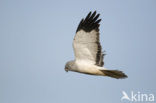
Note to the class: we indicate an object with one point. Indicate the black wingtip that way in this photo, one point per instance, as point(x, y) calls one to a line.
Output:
point(91, 22)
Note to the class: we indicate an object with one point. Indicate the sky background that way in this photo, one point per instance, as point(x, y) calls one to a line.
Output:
point(36, 42)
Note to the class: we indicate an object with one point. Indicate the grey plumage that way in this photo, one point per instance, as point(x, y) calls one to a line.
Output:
point(88, 50)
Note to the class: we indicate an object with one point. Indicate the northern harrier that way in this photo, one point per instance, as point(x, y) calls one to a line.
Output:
point(88, 51)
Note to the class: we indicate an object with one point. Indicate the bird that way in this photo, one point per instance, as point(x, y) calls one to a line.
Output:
point(88, 50)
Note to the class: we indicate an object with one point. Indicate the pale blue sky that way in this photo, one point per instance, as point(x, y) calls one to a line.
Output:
point(36, 41)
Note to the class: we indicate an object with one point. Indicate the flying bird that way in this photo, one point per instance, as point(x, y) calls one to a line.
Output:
point(88, 50)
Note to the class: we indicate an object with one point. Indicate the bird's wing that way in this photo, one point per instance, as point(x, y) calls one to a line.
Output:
point(86, 42)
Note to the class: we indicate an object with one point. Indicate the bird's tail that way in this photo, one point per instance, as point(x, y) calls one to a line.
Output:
point(114, 74)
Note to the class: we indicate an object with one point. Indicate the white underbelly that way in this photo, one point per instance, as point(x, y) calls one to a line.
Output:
point(88, 69)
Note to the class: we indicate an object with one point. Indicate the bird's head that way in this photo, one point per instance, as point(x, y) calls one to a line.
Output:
point(68, 66)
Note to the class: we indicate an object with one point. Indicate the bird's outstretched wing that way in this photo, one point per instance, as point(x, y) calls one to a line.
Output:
point(86, 42)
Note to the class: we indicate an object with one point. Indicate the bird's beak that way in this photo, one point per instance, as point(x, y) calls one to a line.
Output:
point(66, 69)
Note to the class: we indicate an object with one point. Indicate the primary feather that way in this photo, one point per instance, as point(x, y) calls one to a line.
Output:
point(86, 42)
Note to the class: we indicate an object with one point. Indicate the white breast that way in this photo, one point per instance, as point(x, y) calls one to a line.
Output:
point(87, 67)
